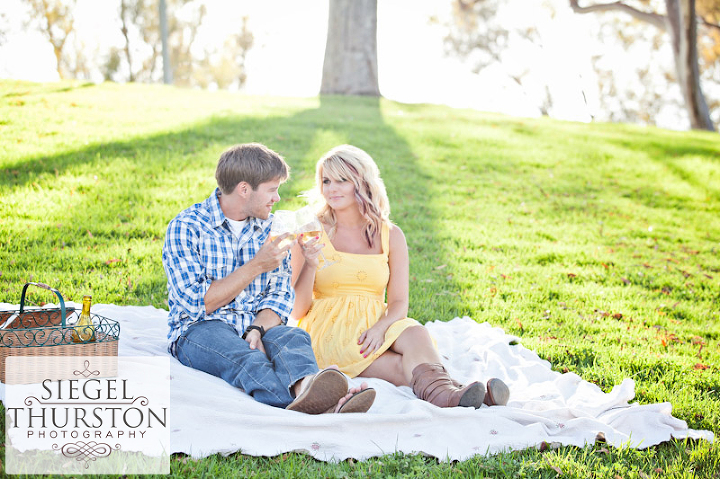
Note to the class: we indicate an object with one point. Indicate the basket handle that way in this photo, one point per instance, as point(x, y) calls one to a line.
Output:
point(49, 288)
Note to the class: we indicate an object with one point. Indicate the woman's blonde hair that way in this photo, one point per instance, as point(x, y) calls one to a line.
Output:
point(353, 164)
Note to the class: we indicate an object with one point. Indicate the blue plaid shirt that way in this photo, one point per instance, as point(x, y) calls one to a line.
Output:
point(201, 248)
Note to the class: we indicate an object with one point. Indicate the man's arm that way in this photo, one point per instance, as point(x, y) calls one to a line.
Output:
point(275, 306)
point(223, 291)
point(187, 278)
point(279, 296)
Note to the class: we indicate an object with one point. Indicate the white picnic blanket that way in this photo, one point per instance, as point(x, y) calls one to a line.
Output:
point(209, 416)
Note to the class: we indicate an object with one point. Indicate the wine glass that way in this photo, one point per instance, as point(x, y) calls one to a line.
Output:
point(283, 222)
point(310, 226)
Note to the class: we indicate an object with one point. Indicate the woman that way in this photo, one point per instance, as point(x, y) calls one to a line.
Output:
point(340, 294)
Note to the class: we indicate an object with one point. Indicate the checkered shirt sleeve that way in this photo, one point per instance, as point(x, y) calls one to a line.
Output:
point(199, 249)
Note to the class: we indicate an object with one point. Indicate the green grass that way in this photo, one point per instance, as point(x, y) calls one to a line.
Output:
point(598, 244)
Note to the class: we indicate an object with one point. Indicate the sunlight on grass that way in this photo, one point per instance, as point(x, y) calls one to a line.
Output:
point(598, 245)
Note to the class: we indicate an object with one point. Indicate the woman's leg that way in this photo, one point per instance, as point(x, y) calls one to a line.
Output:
point(415, 347)
point(413, 361)
point(422, 370)
point(387, 366)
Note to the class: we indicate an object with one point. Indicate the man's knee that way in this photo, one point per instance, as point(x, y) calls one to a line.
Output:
point(289, 334)
point(182, 355)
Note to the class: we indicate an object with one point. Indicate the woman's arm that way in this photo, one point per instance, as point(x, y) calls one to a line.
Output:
point(398, 289)
point(397, 293)
point(304, 262)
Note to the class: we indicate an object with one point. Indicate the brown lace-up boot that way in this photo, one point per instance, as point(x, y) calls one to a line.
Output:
point(432, 383)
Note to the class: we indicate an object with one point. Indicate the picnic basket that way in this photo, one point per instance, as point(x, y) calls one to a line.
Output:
point(48, 332)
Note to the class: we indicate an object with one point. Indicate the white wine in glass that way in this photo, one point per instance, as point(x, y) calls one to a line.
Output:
point(310, 227)
point(283, 222)
point(307, 235)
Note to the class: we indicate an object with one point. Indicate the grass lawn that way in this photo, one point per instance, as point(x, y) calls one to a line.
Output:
point(597, 244)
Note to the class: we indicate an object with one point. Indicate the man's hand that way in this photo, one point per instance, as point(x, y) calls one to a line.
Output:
point(253, 339)
point(266, 319)
point(271, 255)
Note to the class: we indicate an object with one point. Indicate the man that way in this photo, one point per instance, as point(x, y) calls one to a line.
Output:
point(230, 295)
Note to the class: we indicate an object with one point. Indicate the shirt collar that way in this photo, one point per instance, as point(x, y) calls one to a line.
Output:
point(217, 217)
point(212, 204)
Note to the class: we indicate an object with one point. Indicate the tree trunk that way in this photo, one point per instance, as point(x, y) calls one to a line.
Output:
point(124, 30)
point(350, 65)
point(682, 25)
point(57, 50)
point(167, 68)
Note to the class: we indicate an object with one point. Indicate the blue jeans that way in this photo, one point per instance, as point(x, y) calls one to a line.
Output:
point(215, 347)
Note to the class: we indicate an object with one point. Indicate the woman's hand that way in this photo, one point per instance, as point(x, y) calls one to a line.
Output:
point(371, 340)
point(310, 249)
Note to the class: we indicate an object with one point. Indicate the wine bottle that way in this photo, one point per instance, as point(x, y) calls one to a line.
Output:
point(84, 330)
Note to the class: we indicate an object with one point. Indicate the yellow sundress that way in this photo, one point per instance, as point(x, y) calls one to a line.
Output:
point(348, 299)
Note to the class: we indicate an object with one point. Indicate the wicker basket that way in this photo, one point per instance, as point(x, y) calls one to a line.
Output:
point(40, 332)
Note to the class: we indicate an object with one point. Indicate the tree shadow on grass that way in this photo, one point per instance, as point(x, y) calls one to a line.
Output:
point(65, 87)
point(108, 238)
point(693, 159)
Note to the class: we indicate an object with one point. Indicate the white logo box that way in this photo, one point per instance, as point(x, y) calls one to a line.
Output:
point(93, 415)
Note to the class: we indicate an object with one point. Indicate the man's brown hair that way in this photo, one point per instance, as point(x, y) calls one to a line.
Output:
point(252, 163)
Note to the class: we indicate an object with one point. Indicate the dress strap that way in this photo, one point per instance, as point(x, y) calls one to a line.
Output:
point(325, 238)
point(385, 239)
